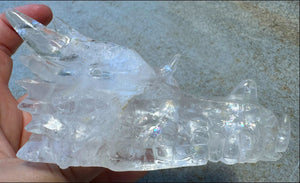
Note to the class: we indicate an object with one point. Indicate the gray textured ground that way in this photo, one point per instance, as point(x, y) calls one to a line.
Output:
point(221, 43)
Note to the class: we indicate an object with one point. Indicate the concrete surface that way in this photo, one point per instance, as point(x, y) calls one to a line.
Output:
point(221, 43)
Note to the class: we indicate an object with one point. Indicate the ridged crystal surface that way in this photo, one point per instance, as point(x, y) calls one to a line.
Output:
point(100, 104)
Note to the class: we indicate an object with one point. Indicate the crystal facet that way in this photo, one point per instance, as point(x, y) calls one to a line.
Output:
point(101, 104)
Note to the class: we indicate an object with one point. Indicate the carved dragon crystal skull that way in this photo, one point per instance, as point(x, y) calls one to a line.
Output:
point(100, 104)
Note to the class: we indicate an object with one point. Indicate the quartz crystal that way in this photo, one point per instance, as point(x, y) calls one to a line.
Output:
point(100, 104)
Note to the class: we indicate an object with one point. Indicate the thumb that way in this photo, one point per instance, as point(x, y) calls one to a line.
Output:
point(5, 68)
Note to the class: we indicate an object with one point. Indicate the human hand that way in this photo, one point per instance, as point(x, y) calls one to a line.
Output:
point(12, 122)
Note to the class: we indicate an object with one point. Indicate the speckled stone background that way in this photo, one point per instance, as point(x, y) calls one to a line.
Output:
point(221, 43)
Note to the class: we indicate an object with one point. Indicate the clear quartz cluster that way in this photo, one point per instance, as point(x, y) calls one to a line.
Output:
point(100, 104)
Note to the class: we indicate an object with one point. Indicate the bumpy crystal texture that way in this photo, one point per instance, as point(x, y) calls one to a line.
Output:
point(100, 104)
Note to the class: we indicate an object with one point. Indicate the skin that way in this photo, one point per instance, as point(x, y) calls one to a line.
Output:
point(12, 122)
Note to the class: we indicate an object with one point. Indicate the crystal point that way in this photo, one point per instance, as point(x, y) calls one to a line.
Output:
point(37, 36)
point(100, 104)
point(246, 90)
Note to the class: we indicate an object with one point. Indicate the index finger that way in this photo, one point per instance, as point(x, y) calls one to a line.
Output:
point(9, 39)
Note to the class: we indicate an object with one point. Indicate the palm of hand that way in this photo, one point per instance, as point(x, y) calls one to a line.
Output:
point(12, 122)
point(12, 137)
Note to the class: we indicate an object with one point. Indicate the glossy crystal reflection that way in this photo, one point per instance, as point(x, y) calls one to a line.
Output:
point(101, 104)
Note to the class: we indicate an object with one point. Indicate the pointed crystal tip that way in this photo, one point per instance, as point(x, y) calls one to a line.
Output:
point(43, 40)
point(20, 22)
point(171, 67)
point(246, 91)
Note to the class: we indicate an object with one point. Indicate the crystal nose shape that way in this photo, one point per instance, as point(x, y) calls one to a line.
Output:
point(44, 41)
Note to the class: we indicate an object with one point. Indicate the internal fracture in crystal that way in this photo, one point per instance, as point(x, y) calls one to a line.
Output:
point(100, 104)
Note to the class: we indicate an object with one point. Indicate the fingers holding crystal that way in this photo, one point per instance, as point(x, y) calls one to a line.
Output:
point(11, 119)
point(44, 41)
point(9, 39)
point(5, 67)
